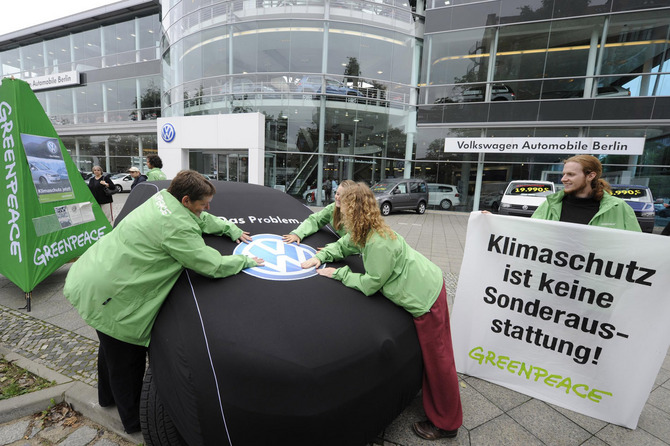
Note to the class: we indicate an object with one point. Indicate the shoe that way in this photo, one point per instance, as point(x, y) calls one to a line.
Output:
point(428, 431)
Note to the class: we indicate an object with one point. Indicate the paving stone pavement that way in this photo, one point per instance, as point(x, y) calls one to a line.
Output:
point(52, 338)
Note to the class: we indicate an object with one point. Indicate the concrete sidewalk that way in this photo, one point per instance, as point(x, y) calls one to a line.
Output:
point(53, 338)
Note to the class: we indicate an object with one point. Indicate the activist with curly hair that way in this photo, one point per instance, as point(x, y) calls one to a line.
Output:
point(411, 281)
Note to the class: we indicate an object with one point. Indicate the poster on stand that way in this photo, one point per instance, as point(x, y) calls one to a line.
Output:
point(48, 212)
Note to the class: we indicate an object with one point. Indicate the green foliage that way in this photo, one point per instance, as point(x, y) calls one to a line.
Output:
point(15, 380)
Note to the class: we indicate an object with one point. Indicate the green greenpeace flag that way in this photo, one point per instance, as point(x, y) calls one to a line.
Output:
point(48, 215)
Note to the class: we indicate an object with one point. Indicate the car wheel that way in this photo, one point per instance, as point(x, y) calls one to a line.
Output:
point(118, 188)
point(386, 209)
point(157, 426)
point(421, 208)
point(445, 204)
point(310, 198)
point(43, 180)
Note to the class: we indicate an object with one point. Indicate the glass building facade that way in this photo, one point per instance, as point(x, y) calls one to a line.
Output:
point(108, 118)
point(544, 69)
point(335, 80)
point(363, 90)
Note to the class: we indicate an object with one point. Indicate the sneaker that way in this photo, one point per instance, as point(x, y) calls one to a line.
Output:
point(428, 431)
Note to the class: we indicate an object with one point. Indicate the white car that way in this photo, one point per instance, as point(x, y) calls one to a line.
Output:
point(445, 196)
point(521, 198)
point(122, 182)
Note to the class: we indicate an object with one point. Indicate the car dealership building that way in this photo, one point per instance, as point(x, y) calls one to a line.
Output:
point(337, 89)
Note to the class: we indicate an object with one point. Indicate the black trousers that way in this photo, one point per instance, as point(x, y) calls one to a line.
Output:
point(121, 369)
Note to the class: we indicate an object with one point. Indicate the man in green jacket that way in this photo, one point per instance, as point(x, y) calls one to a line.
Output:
point(586, 198)
point(120, 283)
point(154, 164)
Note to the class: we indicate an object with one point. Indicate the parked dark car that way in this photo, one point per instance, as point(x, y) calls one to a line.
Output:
point(642, 202)
point(499, 92)
point(275, 355)
point(398, 194)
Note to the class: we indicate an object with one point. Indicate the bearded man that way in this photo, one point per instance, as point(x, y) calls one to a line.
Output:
point(587, 198)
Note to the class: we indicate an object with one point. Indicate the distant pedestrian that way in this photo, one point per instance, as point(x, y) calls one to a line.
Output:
point(138, 177)
point(155, 164)
point(328, 189)
point(102, 188)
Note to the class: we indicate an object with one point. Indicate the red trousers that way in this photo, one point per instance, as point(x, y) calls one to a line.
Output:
point(441, 397)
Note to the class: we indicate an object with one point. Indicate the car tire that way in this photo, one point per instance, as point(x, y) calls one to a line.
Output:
point(43, 181)
point(421, 209)
point(157, 426)
point(310, 198)
point(445, 204)
point(386, 209)
point(118, 188)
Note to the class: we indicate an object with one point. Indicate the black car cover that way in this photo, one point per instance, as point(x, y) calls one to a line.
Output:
point(250, 360)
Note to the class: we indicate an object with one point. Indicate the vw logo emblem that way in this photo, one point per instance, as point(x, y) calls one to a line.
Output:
point(168, 133)
point(282, 260)
point(524, 207)
point(52, 147)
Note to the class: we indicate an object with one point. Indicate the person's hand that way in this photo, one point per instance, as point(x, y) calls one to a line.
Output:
point(290, 238)
point(104, 183)
point(259, 261)
point(327, 272)
point(313, 262)
point(244, 238)
point(666, 205)
point(485, 212)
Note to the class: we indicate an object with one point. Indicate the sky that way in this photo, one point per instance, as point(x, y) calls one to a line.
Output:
point(26, 13)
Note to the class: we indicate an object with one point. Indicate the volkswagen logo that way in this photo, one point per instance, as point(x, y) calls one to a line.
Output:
point(167, 132)
point(52, 147)
point(282, 260)
point(524, 207)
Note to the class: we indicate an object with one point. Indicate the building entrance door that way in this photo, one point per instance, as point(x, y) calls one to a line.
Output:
point(223, 166)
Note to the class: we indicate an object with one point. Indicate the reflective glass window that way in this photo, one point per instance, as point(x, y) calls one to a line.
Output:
point(512, 11)
point(33, 60)
point(11, 62)
point(636, 43)
point(522, 51)
point(570, 43)
point(149, 31)
point(87, 50)
point(59, 54)
point(245, 48)
point(458, 57)
point(476, 14)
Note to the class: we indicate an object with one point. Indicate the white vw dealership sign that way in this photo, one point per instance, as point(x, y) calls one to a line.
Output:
point(574, 315)
point(589, 146)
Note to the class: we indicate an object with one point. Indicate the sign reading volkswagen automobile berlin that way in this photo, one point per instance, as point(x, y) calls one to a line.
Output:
point(168, 133)
point(282, 260)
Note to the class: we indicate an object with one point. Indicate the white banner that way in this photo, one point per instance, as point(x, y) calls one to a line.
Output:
point(574, 315)
point(572, 146)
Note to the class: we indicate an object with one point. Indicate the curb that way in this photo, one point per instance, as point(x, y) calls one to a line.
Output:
point(82, 397)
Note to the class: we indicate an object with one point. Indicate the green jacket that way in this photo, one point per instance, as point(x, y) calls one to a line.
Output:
point(120, 283)
point(613, 212)
point(402, 274)
point(317, 221)
point(156, 174)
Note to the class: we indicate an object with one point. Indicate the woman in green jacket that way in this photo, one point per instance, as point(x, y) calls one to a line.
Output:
point(119, 284)
point(330, 214)
point(409, 280)
point(155, 164)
